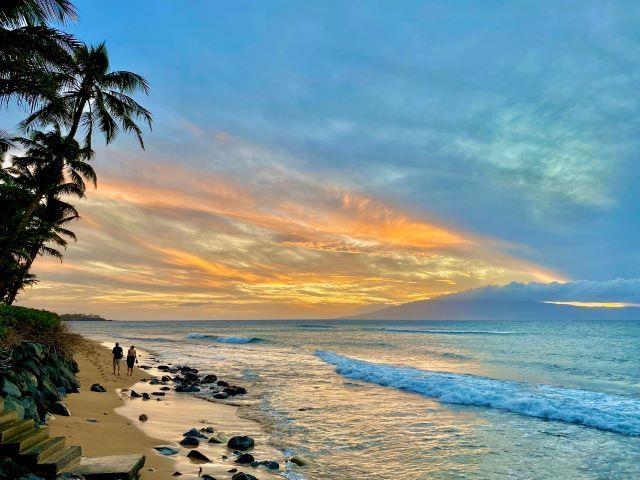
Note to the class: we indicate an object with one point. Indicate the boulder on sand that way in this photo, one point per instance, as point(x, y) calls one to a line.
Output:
point(190, 442)
point(96, 387)
point(60, 408)
point(194, 432)
point(196, 455)
point(240, 442)
point(245, 459)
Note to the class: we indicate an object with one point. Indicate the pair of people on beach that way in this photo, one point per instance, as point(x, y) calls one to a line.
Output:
point(132, 358)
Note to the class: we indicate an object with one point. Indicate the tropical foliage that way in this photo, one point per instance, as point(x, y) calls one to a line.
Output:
point(70, 93)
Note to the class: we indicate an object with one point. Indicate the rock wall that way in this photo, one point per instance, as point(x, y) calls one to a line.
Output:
point(34, 378)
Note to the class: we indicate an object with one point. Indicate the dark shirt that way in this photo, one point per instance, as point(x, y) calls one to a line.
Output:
point(117, 353)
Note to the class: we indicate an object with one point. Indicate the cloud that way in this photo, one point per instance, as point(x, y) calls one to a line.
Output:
point(262, 239)
point(611, 291)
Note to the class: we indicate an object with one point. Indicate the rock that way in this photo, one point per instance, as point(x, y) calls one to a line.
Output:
point(243, 476)
point(207, 430)
point(154, 381)
point(163, 368)
point(206, 476)
point(12, 403)
point(233, 470)
point(233, 390)
point(190, 442)
point(158, 394)
point(60, 408)
point(221, 395)
point(92, 420)
point(9, 388)
point(134, 394)
point(145, 396)
point(297, 461)
point(215, 440)
point(176, 474)
point(222, 383)
point(270, 464)
point(194, 433)
point(241, 442)
point(143, 417)
point(166, 378)
point(191, 377)
point(244, 459)
point(167, 450)
point(30, 408)
point(96, 387)
point(209, 379)
point(196, 455)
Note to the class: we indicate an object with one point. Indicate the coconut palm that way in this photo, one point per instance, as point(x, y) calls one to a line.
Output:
point(47, 237)
point(51, 166)
point(94, 97)
point(33, 55)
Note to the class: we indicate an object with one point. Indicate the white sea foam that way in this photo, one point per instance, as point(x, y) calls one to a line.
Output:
point(220, 339)
point(448, 332)
point(592, 409)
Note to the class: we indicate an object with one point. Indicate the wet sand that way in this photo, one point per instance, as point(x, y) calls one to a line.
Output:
point(117, 429)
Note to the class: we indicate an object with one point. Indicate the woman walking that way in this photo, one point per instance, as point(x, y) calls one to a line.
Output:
point(132, 358)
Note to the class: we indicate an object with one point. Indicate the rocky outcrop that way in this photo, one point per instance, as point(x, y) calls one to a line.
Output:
point(36, 380)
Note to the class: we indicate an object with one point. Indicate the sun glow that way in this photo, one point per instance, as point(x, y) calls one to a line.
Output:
point(596, 304)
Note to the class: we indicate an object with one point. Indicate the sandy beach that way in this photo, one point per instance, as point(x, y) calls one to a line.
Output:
point(107, 423)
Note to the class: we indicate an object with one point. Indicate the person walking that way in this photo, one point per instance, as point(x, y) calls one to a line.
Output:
point(117, 357)
point(132, 358)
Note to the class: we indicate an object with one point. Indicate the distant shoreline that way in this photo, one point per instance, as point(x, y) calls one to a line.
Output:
point(83, 317)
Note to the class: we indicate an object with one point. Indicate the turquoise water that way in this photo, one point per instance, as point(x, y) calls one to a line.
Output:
point(426, 400)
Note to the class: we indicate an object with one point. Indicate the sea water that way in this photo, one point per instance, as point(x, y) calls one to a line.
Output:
point(425, 400)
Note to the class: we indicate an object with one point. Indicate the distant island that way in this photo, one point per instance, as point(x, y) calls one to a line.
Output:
point(83, 317)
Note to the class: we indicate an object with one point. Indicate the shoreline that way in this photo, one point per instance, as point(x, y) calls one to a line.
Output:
point(107, 423)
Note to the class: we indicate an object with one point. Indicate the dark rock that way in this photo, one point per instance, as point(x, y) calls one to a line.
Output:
point(166, 378)
point(233, 470)
point(143, 417)
point(240, 442)
point(243, 476)
point(297, 461)
point(9, 388)
point(196, 455)
point(190, 442)
point(222, 383)
point(215, 440)
point(176, 474)
point(270, 464)
point(191, 377)
point(207, 429)
point(134, 394)
point(209, 379)
point(164, 389)
point(96, 387)
point(154, 381)
point(60, 408)
point(233, 390)
point(245, 458)
point(158, 394)
point(206, 476)
point(164, 368)
point(194, 433)
point(221, 395)
point(145, 396)
point(167, 450)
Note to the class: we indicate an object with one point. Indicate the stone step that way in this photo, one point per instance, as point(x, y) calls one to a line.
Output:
point(9, 416)
point(22, 442)
point(40, 451)
point(112, 467)
point(12, 430)
point(53, 464)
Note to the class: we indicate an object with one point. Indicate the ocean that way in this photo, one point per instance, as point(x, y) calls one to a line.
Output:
point(424, 400)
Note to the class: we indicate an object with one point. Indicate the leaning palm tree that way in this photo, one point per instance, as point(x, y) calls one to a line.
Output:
point(46, 238)
point(51, 166)
point(33, 55)
point(93, 97)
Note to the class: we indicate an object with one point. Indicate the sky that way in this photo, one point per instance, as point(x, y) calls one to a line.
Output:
point(325, 158)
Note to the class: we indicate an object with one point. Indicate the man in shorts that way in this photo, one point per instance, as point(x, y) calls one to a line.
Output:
point(117, 357)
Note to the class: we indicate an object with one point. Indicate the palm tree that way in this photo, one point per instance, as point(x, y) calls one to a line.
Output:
point(50, 229)
point(33, 56)
point(52, 166)
point(93, 96)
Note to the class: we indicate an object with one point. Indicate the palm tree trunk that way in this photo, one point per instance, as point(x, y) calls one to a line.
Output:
point(77, 116)
point(15, 288)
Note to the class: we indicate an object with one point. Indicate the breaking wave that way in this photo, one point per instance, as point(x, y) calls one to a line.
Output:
point(219, 339)
point(613, 413)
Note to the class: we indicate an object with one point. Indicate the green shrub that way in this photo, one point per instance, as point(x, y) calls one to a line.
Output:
point(27, 319)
